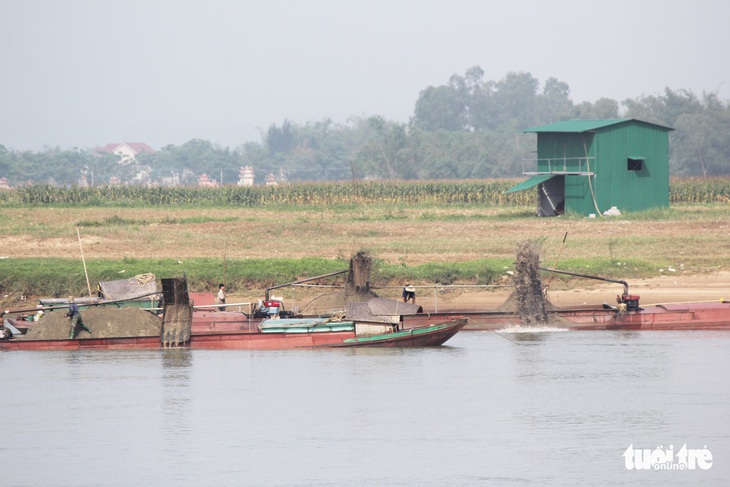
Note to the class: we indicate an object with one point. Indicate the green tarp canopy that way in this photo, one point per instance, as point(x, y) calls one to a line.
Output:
point(533, 181)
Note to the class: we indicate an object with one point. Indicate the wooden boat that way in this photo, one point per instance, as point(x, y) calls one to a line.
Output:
point(431, 336)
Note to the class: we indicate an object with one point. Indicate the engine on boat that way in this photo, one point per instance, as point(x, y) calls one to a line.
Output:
point(630, 301)
point(273, 308)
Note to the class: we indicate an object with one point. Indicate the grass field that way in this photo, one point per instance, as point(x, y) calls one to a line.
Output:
point(251, 248)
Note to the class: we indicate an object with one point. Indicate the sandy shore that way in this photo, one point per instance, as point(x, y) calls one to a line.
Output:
point(670, 288)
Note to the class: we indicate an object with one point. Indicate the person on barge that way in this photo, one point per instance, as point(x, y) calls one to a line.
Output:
point(221, 298)
point(409, 294)
point(75, 316)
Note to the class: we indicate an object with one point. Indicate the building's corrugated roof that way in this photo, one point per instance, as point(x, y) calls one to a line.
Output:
point(381, 309)
point(579, 126)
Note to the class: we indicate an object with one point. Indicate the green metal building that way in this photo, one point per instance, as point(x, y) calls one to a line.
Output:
point(589, 166)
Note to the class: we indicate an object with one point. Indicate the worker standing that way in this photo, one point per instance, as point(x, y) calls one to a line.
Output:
point(222, 296)
point(75, 316)
point(409, 294)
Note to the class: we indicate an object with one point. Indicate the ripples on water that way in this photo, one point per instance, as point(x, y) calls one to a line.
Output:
point(514, 408)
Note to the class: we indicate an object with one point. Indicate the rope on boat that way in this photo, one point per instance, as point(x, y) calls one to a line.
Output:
point(143, 280)
point(335, 318)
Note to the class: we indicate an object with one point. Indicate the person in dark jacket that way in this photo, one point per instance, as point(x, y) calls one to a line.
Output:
point(75, 316)
point(409, 294)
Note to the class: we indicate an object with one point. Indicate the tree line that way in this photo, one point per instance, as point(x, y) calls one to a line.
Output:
point(468, 128)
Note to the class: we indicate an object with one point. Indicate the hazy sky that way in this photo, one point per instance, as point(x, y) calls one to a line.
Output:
point(82, 73)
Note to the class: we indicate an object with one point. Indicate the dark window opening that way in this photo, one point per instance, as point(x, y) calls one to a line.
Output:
point(634, 164)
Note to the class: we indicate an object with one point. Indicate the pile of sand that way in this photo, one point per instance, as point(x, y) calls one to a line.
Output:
point(104, 322)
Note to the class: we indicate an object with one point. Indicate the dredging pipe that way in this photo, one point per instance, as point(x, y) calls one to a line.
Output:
point(618, 281)
point(302, 281)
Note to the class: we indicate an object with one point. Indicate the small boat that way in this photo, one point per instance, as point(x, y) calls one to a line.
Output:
point(429, 336)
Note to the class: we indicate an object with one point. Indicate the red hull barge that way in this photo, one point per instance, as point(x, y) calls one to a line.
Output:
point(679, 316)
point(223, 321)
point(210, 341)
point(421, 337)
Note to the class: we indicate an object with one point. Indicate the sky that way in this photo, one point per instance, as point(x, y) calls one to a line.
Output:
point(84, 73)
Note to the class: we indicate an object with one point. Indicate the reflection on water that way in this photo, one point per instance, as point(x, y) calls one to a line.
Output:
point(176, 397)
point(177, 358)
point(545, 408)
point(176, 382)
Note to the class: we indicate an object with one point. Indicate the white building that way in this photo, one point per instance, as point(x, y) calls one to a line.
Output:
point(245, 176)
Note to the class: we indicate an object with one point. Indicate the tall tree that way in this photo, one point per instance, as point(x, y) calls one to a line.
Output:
point(385, 154)
point(702, 145)
point(439, 108)
point(554, 101)
point(280, 139)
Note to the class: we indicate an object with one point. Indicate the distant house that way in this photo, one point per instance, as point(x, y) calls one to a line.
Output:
point(127, 151)
point(246, 176)
point(589, 166)
point(205, 181)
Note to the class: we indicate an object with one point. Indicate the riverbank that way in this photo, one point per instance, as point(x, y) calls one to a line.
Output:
point(669, 288)
point(251, 249)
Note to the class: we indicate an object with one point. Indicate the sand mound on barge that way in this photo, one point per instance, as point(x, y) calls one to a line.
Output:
point(104, 322)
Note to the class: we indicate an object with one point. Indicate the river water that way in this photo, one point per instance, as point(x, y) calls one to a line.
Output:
point(545, 408)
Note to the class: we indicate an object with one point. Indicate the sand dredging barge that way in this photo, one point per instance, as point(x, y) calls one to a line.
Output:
point(626, 313)
point(114, 326)
point(526, 307)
